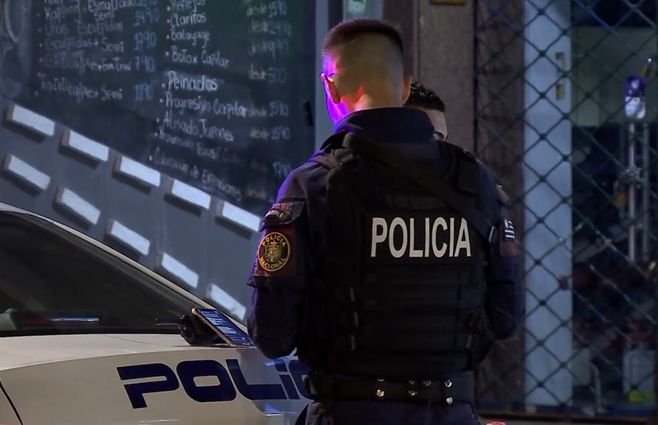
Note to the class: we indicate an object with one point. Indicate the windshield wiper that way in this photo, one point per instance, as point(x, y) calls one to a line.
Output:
point(175, 323)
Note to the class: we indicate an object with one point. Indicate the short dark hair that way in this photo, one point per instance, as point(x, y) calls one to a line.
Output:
point(348, 31)
point(423, 97)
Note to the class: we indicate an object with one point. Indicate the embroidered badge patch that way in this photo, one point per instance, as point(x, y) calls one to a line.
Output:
point(273, 252)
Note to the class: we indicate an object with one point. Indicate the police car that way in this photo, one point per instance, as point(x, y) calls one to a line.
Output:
point(88, 336)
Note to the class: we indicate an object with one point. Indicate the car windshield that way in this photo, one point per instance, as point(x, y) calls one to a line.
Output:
point(52, 281)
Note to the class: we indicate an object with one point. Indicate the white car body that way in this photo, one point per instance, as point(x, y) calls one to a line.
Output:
point(141, 378)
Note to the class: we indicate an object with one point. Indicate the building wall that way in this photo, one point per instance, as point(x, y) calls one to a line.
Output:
point(439, 42)
point(445, 63)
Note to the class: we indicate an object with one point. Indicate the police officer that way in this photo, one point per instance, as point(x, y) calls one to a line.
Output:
point(429, 102)
point(386, 259)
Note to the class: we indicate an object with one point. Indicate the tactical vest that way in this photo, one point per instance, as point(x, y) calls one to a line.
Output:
point(399, 291)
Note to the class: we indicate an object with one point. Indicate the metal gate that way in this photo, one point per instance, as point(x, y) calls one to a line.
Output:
point(565, 117)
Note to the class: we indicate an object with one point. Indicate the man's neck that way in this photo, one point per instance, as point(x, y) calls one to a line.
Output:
point(372, 102)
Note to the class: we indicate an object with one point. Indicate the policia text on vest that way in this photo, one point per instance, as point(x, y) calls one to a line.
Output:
point(446, 237)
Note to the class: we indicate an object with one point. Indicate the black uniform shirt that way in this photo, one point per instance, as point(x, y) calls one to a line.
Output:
point(294, 233)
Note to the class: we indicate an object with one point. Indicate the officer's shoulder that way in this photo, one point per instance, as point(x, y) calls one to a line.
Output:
point(302, 179)
point(470, 160)
point(489, 190)
point(472, 173)
point(465, 157)
point(311, 166)
point(488, 183)
point(459, 151)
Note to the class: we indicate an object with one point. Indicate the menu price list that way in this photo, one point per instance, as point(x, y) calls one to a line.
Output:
point(205, 91)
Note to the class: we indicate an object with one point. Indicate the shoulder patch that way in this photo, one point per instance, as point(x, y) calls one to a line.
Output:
point(275, 256)
point(283, 213)
point(273, 252)
point(508, 230)
point(508, 244)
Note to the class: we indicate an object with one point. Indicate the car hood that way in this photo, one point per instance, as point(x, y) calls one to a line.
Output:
point(23, 351)
point(130, 379)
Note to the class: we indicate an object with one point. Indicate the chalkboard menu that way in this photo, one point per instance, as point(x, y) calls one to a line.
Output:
point(217, 93)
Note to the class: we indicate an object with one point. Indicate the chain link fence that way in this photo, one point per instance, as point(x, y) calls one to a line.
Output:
point(565, 117)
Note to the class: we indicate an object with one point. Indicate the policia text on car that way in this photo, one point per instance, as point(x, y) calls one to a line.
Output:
point(387, 260)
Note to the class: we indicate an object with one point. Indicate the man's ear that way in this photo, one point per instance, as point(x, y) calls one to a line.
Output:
point(406, 88)
point(330, 88)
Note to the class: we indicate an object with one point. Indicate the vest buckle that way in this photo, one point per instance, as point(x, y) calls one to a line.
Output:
point(380, 388)
point(346, 343)
point(470, 342)
point(413, 390)
point(346, 295)
point(349, 319)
